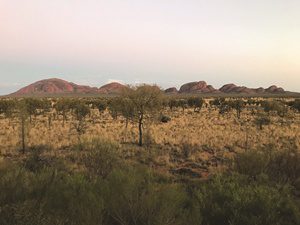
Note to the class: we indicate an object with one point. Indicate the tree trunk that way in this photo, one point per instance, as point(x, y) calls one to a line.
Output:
point(64, 118)
point(238, 114)
point(23, 133)
point(126, 128)
point(141, 129)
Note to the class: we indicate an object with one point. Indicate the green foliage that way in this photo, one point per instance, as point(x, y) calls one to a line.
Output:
point(62, 105)
point(224, 108)
point(80, 110)
point(115, 107)
point(280, 166)
point(102, 157)
point(48, 197)
point(262, 120)
point(101, 106)
point(217, 102)
point(233, 200)
point(252, 102)
point(122, 106)
point(7, 107)
point(274, 106)
point(173, 103)
point(238, 105)
point(251, 163)
point(196, 103)
point(295, 104)
point(34, 106)
point(165, 119)
point(36, 160)
point(145, 101)
point(133, 197)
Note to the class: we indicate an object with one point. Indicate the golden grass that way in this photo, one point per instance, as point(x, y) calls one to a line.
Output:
point(208, 136)
point(204, 128)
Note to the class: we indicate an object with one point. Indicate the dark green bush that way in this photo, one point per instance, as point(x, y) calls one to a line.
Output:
point(119, 194)
point(101, 158)
point(132, 197)
point(281, 166)
point(165, 119)
point(262, 120)
point(48, 197)
point(233, 200)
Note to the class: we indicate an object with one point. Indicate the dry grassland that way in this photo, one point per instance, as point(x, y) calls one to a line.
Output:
point(192, 143)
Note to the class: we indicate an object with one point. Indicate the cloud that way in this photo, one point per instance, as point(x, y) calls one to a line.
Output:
point(114, 80)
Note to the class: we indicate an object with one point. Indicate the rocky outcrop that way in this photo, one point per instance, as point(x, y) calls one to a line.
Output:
point(274, 89)
point(59, 86)
point(54, 86)
point(197, 87)
point(234, 89)
point(172, 90)
point(112, 88)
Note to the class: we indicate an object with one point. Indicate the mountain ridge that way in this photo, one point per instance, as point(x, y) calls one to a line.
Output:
point(56, 86)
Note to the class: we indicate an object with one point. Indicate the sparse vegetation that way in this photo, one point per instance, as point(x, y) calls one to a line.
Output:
point(192, 168)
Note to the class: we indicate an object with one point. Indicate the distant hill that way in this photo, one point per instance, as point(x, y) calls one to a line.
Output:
point(204, 88)
point(232, 88)
point(55, 86)
point(197, 87)
point(111, 88)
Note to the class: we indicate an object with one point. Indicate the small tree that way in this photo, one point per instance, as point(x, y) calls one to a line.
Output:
point(274, 106)
point(120, 106)
point(7, 107)
point(217, 102)
point(238, 105)
point(62, 107)
point(101, 106)
point(23, 116)
point(183, 104)
point(196, 103)
point(295, 105)
point(115, 107)
point(80, 111)
point(172, 103)
point(224, 108)
point(262, 120)
point(146, 100)
point(33, 106)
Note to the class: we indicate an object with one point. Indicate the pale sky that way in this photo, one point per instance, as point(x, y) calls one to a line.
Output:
point(168, 42)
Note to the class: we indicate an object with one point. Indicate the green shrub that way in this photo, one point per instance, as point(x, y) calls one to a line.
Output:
point(132, 197)
point(165, 119)
point(48, 197)
point(281, 166)
point(262, 120)
point(251, 163)
point(124, 195)
point(101, 158)
point(234, 200)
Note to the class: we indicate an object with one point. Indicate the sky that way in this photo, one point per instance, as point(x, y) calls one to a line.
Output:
point(167, 42)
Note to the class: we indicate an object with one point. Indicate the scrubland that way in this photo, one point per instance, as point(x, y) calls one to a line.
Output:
point(198, 167)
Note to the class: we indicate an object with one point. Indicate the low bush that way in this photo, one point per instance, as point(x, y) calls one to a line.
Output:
point(165, 119)
point(114, 193)
point(280, 166)
point(101, 157)
point(233, 200)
